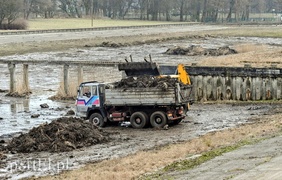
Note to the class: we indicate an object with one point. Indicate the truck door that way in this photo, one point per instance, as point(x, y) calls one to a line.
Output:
point(102, 94)
point(87, 98)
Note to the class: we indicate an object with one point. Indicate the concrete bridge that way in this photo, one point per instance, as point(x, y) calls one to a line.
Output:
point(210, 83)
point(12, 64)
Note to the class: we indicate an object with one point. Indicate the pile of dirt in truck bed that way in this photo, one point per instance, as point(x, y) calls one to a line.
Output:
point(146, 82)
point(63, 134)
point(200, 51)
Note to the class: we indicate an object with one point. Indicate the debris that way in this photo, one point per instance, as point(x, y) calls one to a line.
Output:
point(166, 127)
point(70, 113)
point(35, 115)
point(146, 82)
point(63, 134)
point(198, 51)
point(2, 160)
point(3, 91)
point(45, 105)
point(86, 45)
point(18, 94)
point(59, 109)
point(113, 44)
point(2, 156)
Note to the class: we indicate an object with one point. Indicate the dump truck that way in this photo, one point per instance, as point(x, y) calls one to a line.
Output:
point(145, 97)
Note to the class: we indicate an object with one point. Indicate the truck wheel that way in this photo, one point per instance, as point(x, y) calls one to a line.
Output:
point(138, 120)
point(97, 119)
point(158, 119)
point(146, 118)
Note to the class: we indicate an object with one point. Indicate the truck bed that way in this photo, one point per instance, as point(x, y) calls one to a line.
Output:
point(146, 96)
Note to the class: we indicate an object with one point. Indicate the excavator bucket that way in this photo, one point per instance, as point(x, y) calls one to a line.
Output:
point(140, 68)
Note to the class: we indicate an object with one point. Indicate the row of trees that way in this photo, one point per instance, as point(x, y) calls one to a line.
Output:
point(182, 10)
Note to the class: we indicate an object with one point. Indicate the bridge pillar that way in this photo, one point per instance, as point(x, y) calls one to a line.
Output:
point(25, 79)
point(12, 69)
point(80, 74)
point(66, 79)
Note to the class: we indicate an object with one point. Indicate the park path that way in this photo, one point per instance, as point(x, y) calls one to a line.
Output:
point(259, 161)
point(22, 38)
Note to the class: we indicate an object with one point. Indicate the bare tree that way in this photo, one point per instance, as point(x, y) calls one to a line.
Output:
point(45, 8)
point(181, 4)
point(9, 10)
point(71, 7)
point(88, 4)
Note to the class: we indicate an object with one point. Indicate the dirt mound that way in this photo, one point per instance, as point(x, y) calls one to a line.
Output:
point(146, 82)
point(2, 158)
point(63, 134)
point(114, 44)
point(18, 94)
point(200, 51)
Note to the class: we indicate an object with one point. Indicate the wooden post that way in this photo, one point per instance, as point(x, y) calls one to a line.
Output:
point(26, 88)
point(66, 79)
point(12, 68)
point(80, 74)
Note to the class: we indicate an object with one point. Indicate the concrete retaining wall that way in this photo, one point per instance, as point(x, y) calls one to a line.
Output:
point(225, 83)
point(236, 88)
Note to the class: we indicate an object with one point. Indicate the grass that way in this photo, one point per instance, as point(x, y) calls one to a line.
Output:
point(206, 156)
point(21, 89)
point(71, 23)
point(61, 95)
point(190, 163)
point(210, 145)
point(255, 55)
point(250, 31)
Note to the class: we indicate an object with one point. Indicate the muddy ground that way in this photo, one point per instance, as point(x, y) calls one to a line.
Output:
point(202, 118)
point(45, 81)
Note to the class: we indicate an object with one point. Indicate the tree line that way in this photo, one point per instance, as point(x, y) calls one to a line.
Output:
point(165, 10)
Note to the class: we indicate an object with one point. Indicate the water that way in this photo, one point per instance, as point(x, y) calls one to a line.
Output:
point(16, 113)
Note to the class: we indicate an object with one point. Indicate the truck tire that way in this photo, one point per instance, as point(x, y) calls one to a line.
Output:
point(138, 120)
point(97, 120)
point(147, 119)
point(158, 119)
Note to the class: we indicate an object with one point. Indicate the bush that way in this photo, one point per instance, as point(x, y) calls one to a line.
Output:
point(19, 24)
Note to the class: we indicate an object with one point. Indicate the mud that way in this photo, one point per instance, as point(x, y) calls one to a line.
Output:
point(63, 134)
point(2, 158)
point(201, 119)
point(200, 51)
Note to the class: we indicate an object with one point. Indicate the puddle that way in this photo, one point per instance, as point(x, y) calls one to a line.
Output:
point(16, 113)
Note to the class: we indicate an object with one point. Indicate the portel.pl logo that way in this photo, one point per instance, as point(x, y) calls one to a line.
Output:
point(38, 165)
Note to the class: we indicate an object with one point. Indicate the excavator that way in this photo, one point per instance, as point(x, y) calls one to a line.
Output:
point(152, 69)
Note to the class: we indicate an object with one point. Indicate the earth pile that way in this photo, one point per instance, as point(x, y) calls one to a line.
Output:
point(63, 134)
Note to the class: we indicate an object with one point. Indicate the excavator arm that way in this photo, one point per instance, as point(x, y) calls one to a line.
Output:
point(183, 76)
